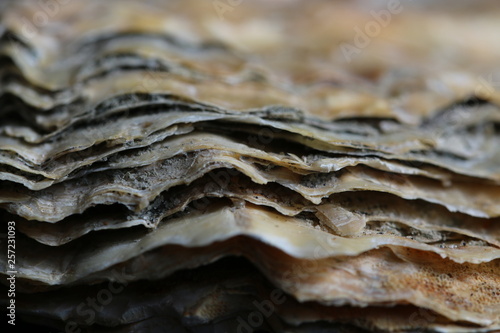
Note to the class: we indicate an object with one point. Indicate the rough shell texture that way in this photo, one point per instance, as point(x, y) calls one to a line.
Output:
point(144, 142)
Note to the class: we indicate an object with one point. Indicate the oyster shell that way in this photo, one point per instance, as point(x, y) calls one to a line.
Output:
point(146, 142)
point(222, 292)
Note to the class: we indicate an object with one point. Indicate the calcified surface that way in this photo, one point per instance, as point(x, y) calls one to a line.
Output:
point(198, 159)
